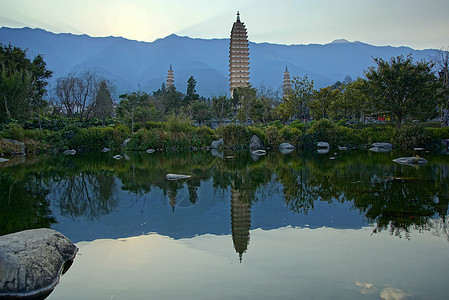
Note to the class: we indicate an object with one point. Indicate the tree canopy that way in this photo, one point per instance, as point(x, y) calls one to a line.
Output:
point(404, 88)
point(22, 83)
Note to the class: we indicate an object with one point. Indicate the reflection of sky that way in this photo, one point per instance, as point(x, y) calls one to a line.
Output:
point(136, 215)
point(285, 263)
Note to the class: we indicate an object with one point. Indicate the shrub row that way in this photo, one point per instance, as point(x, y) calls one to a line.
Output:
point(178, 133)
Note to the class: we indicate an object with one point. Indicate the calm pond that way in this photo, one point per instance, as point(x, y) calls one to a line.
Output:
point(294, 226)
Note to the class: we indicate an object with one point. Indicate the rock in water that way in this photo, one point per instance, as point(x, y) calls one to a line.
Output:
point(149, 151)
point(32, 261)
point(177, 176)
point(217, 144)
point(382, 146)
point(324, 145)
point(3, 159)
point(118, 156)
point(256, 143)
point(259, 152)
point(70, 152)
point(286, 146)
point(104, 150)
point(411, 161)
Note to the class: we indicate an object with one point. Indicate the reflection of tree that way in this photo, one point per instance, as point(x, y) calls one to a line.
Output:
point(88, 195)
point(23, 205)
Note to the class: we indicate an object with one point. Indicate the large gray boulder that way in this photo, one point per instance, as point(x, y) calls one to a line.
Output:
point(31, 262)
point(217, 144)
point(18, 148)
point(256, 143)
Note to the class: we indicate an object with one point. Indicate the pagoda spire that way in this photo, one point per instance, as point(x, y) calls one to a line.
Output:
point(287, 86)
point(170, 77)
point(238, 56)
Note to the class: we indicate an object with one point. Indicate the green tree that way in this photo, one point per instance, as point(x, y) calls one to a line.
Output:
point(320, 106)
point(243, 99)
point(200, 111)
point(191, 94)
point(221, 108)
point(295, 103)
point(131, 105)
point(22, 83)
point(103, 102)
point(355, 101)
point(404, 88)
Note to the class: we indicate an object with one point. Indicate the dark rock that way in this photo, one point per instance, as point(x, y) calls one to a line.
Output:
point(32, 261)
point(256, 143)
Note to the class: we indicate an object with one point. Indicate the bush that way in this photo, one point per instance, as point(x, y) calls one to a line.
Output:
point(379, 133)
point(273, 138)
point(96, 138)
point(234, 135)
point(323, 130)
point(410, 136)
point(178, 123)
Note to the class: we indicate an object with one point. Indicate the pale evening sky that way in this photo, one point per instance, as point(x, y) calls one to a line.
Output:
point(420, 24)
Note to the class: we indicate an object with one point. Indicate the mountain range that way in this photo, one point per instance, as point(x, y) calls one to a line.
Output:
point(133, 65)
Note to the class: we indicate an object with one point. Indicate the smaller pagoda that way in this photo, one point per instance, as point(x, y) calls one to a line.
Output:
point(170, 78)
point(287, 82)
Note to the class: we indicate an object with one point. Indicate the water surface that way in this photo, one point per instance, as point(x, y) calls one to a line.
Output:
point(295, 226)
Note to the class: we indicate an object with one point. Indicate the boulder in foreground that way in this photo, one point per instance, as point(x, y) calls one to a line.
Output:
point(31, 262)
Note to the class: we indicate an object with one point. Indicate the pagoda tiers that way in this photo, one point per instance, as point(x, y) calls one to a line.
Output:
point(287, 83)
point(170, 78)
point(240, 222)
point(238, 56)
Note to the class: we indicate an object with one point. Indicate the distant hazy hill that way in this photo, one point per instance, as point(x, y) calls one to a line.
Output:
point(131, 64)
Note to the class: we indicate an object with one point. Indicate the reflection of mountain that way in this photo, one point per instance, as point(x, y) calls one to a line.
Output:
point(240, 222)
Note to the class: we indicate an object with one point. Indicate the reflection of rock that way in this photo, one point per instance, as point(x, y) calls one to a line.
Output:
point(411, 161)
point(105, 150)
point(240, 223)
point(118, 156)
point(217, 144)
point(32, 261)
point(418, 149)
point(3, 159)
point(286, 151)
point(377, 149)
point(256, 143)
point(176, 176)
point(323, 151)
point(217, 153)
point(70, 152)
